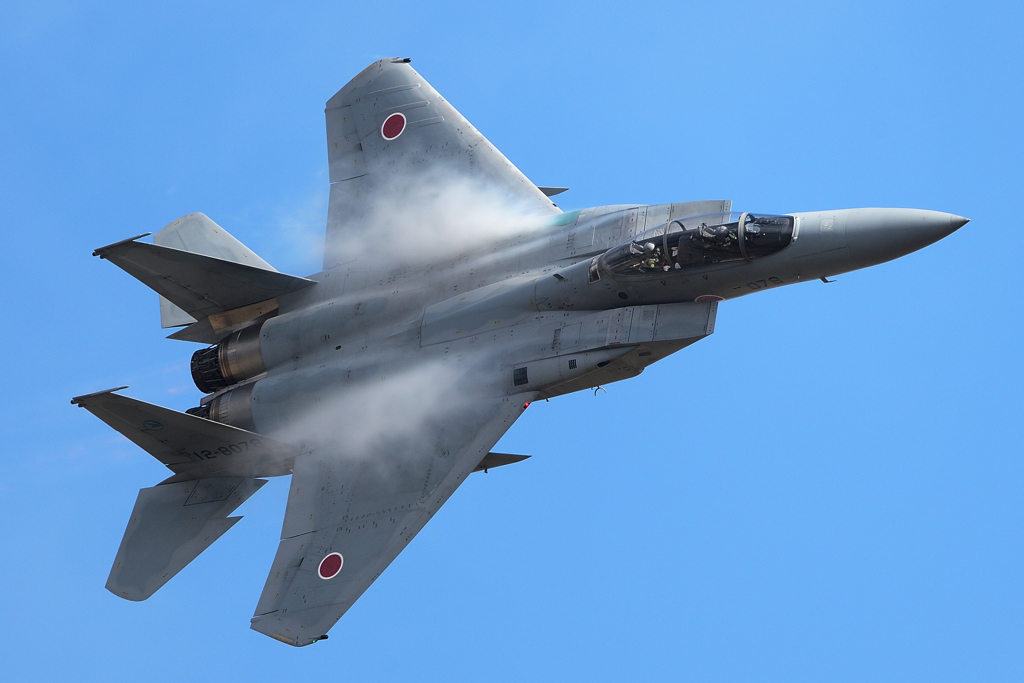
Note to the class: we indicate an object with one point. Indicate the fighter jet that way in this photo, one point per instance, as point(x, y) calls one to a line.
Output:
point(453, 294)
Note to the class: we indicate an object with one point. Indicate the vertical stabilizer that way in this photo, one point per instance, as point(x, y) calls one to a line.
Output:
point(170, 526)
point(196, 233)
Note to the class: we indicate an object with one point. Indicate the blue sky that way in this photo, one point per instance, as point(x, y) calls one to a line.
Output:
point(835, 494)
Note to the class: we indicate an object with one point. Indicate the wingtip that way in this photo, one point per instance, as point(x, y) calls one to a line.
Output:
point(77, 400)
point(102, 250)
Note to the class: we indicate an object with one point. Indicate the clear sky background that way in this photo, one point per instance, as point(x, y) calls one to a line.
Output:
point(828, 488)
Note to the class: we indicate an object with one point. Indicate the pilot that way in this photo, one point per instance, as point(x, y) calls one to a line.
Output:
point(710, 236)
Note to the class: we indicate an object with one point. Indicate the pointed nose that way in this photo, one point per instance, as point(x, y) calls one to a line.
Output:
point(878, 235)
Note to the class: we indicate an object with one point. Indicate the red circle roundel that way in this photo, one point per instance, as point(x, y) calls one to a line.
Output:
point(393, 126)
point(330, 566)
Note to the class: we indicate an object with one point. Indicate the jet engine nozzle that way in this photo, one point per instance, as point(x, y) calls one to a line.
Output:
point(232, 407)
point(236, 358)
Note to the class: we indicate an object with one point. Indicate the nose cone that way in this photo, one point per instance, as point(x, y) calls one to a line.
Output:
point(878, 235)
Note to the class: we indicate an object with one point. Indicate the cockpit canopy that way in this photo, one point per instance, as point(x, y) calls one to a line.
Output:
point(700, 240)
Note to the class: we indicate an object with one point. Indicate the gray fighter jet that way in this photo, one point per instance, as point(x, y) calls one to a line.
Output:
point(454, 293)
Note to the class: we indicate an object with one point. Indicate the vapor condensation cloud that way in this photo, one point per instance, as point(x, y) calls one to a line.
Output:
point(297, 236)
point(434, 216)
point(380, 414)
point(426, 218)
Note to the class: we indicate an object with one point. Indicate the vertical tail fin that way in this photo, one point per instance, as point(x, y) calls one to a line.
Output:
point(169, 527)
point(196, 233)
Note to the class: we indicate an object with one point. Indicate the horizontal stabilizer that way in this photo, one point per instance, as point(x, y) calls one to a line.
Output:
point(552, 191)
point(170, 526)
point(498, 459)
point(192, 447)
point(197, 284)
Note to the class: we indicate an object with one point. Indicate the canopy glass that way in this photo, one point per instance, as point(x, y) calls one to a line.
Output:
point(700, 240)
